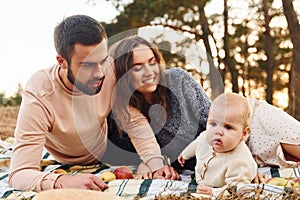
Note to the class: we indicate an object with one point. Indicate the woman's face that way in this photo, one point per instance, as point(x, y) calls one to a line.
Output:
point(145, 70)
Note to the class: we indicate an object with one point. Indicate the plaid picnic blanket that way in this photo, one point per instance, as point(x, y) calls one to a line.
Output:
point(130, 188)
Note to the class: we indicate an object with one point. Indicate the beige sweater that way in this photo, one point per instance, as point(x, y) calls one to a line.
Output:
point(71, 126)
point(220, 169)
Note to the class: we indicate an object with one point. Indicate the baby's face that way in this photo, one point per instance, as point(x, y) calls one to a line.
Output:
point(225, 128)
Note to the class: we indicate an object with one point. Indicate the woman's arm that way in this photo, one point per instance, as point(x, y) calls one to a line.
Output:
point(291, 152)
point(272, 128)
point(194, 99)
point(143, 139)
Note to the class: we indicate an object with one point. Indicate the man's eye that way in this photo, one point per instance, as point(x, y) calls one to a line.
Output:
point(83, 65)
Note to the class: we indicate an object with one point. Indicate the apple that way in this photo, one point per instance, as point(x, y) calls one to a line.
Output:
point(123, 172)
point(278, 181)
point(60, 171)
point(296, 183)
point(46, 163)
point(107, 176)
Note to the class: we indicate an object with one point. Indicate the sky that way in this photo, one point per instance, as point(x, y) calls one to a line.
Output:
point(26, 36)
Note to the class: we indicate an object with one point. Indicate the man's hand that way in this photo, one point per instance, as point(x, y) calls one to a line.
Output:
point(80, 181)
point(260, 178)
point(166, 172)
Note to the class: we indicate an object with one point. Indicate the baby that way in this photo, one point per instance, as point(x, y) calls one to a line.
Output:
point(223, 158)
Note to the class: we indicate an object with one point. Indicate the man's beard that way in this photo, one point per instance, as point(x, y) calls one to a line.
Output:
point(84, 87)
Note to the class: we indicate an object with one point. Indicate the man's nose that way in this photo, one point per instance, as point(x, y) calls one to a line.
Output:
point(99, 71)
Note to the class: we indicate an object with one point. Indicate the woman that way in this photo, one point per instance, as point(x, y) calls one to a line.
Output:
point(161, 110)
point(143, 84)
point(275, 136)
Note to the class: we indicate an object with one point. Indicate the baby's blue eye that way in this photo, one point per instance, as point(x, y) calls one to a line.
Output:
point(228, 127)
point(213, 124)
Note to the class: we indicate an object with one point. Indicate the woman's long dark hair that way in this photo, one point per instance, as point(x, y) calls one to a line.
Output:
point(125, 95)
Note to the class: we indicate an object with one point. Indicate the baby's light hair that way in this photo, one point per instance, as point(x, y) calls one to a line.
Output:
point(240, 102)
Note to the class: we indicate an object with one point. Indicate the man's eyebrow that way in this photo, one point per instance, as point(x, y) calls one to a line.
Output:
point(86, 63)
point(89, 63)
point(101, 62)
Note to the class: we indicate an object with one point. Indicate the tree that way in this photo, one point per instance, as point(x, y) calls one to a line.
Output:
point(228, 60)
point(216, 86)
point(269, 53)
point(247, 47)
point(14, 100)
point(294, 29)
point(17, 98)
point(173, 15)
point(2, 99)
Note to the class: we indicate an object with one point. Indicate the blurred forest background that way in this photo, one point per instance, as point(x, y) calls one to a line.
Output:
point(252, 45)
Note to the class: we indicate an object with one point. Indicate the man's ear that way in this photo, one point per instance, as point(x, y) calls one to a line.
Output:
point(61, 61)
point(245, 132)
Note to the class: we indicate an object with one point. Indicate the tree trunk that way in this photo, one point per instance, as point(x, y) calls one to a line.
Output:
point(227, 59)
point(294, 29)
point(270, 56)
point(216, 82)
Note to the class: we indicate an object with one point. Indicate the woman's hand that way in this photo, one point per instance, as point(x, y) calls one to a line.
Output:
point(80, 181)
point(143, 172)
point(166, 172)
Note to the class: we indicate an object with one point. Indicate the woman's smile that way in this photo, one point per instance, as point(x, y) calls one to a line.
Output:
point(149, 81)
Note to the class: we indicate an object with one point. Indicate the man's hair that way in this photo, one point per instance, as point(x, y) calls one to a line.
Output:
point(80, 29)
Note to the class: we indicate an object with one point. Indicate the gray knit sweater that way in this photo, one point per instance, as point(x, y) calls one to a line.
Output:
point(187, 112)
point(183, 120)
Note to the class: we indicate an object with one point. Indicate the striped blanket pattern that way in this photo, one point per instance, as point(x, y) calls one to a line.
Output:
point(130, 188)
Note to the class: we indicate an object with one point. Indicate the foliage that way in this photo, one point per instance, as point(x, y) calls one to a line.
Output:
point(14, 100)
point(199, 21)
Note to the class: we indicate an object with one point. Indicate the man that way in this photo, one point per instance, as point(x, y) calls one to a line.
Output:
point(64, 108)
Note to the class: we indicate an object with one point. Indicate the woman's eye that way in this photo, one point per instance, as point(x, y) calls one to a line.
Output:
point(153, 62)
point(137, 68)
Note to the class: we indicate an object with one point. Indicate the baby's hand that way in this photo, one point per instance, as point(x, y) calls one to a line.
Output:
point(203, 189)
point(181, 160)
point(260, 178)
